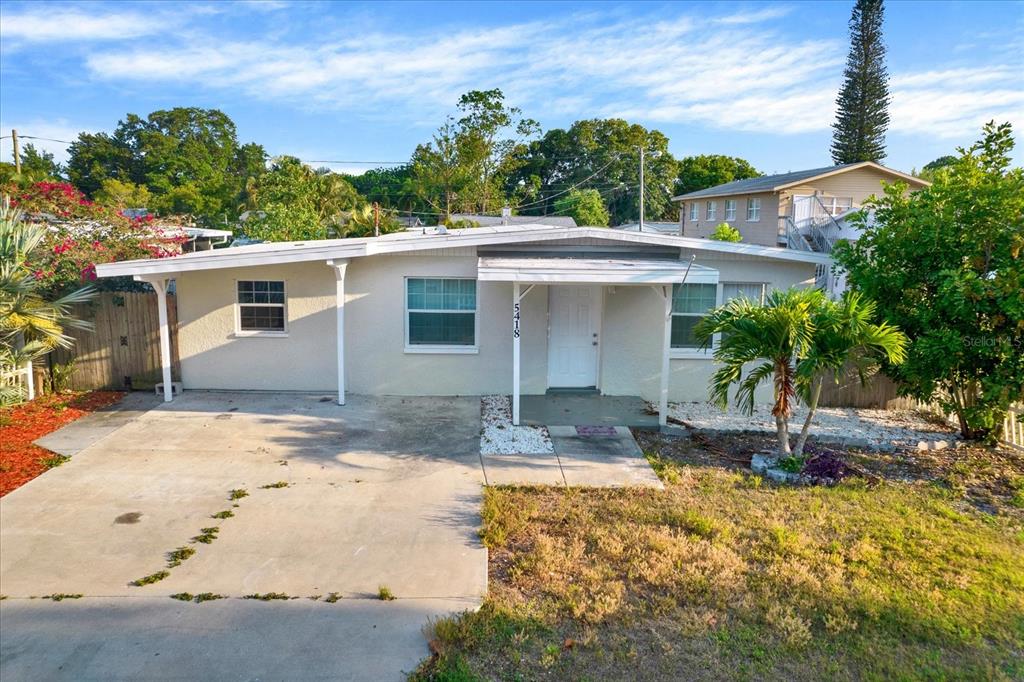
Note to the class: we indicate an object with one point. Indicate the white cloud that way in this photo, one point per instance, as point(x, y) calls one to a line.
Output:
point(47, 23)
point(954, 103)
point(742, 71)
point(57, 133)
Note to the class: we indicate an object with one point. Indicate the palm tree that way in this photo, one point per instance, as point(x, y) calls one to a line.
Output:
point(775, 335)
point(845, 340)
point(793, 339)
point(30, 326)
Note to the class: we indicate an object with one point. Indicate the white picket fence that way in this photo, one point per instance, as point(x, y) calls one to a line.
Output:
point(1013, 429)
point(22, 378)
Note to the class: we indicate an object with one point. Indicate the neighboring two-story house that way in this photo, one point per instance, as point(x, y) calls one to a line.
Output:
point(798, 210)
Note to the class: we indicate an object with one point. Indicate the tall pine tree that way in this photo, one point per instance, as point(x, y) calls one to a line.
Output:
point(863, 102)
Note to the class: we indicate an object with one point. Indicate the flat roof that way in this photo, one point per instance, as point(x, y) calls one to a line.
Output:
point(403, 242)
point(592, 271)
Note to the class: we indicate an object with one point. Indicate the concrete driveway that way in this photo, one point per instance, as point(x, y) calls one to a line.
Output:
point(381, 492)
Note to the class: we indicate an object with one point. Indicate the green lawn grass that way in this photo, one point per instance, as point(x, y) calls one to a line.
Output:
point(722, 575)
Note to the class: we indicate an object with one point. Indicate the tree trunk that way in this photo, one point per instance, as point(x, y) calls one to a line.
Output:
point(806, 430)
point(782, 428)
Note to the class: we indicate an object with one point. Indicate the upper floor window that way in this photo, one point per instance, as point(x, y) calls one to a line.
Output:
point(730, 209)
point(712, 209)
point(837, 205)
point(753, 209)
point(694, 212)
point(440, 312)
point(261, 307)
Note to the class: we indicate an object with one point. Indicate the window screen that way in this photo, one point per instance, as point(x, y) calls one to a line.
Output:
point(690, 303)
point(441, 312)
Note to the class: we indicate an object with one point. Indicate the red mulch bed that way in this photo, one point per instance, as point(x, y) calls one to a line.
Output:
point(20, 460)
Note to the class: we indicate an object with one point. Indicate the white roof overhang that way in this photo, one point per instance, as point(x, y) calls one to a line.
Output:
point(328, 249)
point(592, 271)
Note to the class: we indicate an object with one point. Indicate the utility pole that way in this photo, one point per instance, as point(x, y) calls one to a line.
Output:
point(17, 156)
point(376, 219)
point(655, 154)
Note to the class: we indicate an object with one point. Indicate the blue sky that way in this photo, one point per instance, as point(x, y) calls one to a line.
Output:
point(367, 82)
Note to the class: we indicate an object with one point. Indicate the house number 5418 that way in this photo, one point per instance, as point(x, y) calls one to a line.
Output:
point(515, 321)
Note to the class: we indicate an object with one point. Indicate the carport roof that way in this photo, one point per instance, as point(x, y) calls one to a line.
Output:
point(340, 249)
point(592, 271)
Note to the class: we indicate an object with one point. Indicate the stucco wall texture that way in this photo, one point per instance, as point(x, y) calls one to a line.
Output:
point(213, 356)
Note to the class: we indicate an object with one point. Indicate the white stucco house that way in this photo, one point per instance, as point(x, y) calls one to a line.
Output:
point(517, 309)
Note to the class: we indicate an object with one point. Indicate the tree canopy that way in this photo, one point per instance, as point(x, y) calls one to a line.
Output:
point(709, 170)
point(188, 158)
point(599, 154)
point(585, 206)
point(946, 264)
point(292, 202)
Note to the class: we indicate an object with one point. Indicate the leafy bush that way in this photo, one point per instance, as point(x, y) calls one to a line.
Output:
point(726, 233)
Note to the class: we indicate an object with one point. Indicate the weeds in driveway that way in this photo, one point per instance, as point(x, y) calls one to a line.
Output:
point(175, 557)
point(384, 593)
point(206, 535)
point(60, 596)
point(207, 596)
point(332, 598)
point(151, 578)
point(269, 596)
point(279, 484)
point(237, 494)
point(183, 596)
point(55, 461)
point(226, 514)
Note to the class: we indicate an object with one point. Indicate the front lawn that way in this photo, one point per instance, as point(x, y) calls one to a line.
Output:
point(20, 460)
point(723, 576)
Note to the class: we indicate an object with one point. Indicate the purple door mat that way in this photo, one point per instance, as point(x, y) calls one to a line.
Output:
point(595, 430)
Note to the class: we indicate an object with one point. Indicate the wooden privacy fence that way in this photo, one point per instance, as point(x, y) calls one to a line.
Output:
point(124, 349)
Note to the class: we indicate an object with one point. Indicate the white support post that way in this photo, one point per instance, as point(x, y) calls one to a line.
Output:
point(160, 286)
point(516, 303)
point(665, 350)
point(30, 380)
point(339, 308)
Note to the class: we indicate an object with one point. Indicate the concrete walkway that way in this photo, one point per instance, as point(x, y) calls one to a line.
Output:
point(601, 456)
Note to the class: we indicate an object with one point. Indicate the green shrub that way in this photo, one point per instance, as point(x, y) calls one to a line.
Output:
point(726, 233)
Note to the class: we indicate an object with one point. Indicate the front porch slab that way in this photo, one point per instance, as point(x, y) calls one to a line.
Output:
point(586, 409)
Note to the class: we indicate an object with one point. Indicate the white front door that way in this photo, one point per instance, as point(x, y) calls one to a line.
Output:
point(575, 319)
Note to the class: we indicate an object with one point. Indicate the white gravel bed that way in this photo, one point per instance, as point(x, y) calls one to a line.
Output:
point(882, 429)
point(499, 437)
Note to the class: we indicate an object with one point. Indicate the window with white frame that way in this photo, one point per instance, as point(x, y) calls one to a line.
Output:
point(730, 209)
point(261, 306)
point(753, 209)
point(440, 312)
point(712, 209)
point(694, 212)
point(752, 291)
point(837, 205)
point(690, 304)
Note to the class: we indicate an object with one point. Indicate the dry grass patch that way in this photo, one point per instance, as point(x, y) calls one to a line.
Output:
point(723, 576)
